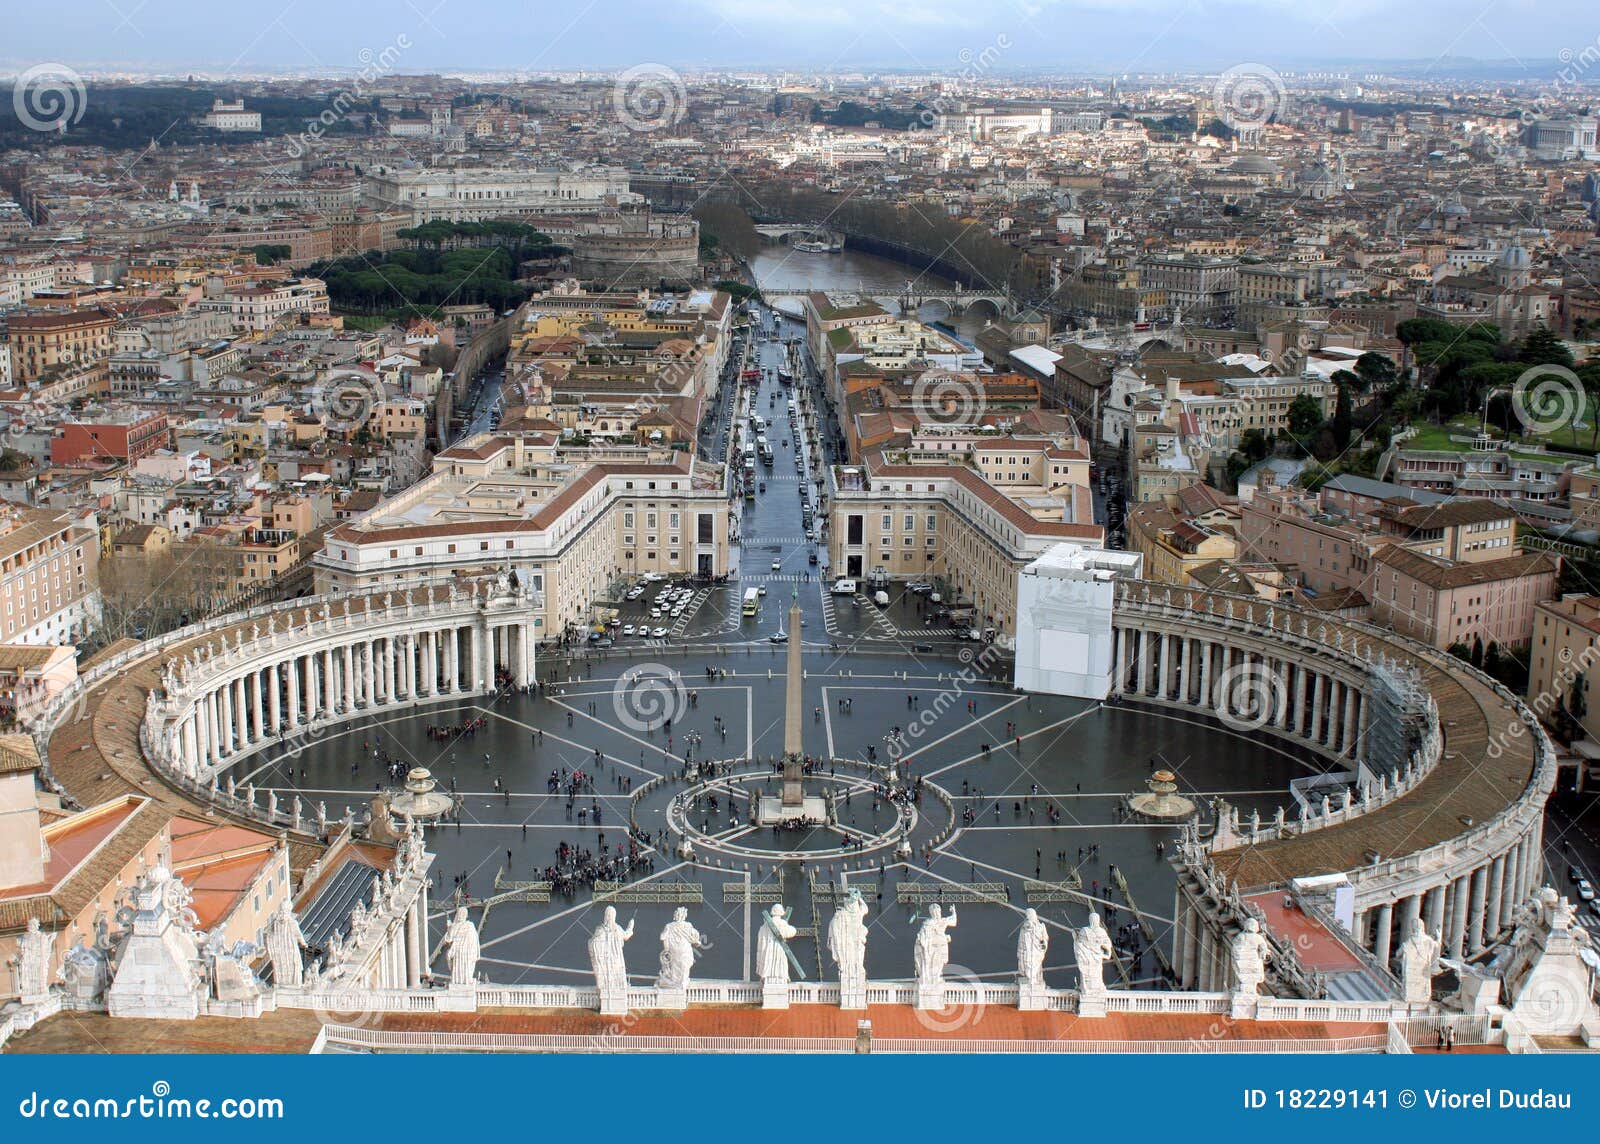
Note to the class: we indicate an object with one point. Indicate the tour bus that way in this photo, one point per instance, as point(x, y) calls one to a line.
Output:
point(752, 601)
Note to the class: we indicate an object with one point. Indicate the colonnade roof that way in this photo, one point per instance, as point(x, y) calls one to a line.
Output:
point(1466, 788)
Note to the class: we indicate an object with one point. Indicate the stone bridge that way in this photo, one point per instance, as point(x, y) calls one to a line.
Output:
point(953, 302)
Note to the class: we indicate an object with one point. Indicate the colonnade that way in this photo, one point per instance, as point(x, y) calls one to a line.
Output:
point(1320, 702)
point(247, 701)
point(1464, 911)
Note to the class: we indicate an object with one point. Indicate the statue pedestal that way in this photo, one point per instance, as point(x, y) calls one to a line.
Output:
point(852, 996)
point(677, 999)
point(930, 996)
point(774, 994)
point(459, 999)
point(1032, 997)
point(1092, 1004)
point(613, 1003)
point(1244, 1006)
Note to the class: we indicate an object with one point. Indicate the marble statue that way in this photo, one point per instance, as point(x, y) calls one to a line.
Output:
point(1419, 960)
point(606, 953)
point(34, 948)
point(772, 955)
point(1248, 954)
point(284, 943)
point(679, 941)
point(1032, 942)
point(1091, 949)
point(932, 950)
point(85, 973)
point(462, 937)
point(847, 944)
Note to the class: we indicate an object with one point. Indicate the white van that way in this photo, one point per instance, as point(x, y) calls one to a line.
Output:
point(844, 587)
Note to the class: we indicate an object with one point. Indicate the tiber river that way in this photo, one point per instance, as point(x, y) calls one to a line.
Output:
point(782, 268)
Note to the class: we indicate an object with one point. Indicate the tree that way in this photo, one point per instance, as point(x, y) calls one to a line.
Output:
point(1376, 372)
point(1476, 659)
point(1304, 420)
point(1542, 347)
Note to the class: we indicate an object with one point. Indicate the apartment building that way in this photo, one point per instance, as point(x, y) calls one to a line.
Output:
point(49, 576)
point(1446, 604)
point(257, 308)
point(47, 340)
point(1563, 659)
point(925, 514)
point(470, 194)
point(569, 526)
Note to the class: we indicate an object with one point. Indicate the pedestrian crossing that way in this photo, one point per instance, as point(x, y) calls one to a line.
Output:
point(936, 633)
point(681, 624)
point(776, 541)
point(777, 577)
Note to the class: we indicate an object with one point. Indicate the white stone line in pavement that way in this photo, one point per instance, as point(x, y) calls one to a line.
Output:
point(584, 714)
point(978, 722)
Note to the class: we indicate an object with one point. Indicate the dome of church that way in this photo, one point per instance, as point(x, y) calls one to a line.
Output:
point(1515, 258)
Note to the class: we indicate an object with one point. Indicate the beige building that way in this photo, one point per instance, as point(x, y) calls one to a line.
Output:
point(969, 521)
point(49, 575)
point(1444, 604)
point(1562, 661)
point(571, 525)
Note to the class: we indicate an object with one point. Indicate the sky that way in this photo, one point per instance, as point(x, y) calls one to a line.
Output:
point(1107, 37)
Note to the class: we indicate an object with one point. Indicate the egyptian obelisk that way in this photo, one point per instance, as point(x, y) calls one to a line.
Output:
point(794, 799)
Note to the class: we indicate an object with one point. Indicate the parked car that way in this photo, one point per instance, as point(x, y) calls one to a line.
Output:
point(660, 633)
point(1585, 891)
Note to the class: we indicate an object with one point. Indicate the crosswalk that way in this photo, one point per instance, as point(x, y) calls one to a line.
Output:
point(775, 541)
point(756, 578)
point(681, 624)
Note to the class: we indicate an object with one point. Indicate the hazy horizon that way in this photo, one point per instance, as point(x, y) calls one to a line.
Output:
point(1512, 39)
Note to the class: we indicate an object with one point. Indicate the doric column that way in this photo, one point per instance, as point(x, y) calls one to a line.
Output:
point(274, 698)
point(1455, 942)
point(1352, 741)
point(426, 676)
point(1435, 910)
point(1185, 671)
point(1206, 649)
point(330, 681)
point(293, 667)
point(1497, 877)
point(1316, 706)
point(1164, 642)
point(1381, 938)
point(413, 949)
point(1479, 900)
point(260, 726)
point(368, 695)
